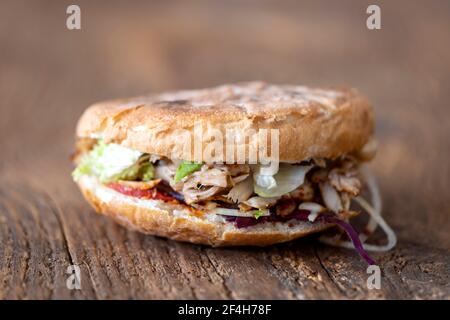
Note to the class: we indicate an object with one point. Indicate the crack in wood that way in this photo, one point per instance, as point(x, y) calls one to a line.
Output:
point(327, 272)
point(180, 271)
point(228, 292)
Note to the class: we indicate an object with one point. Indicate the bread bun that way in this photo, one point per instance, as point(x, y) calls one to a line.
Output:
point(323, 123)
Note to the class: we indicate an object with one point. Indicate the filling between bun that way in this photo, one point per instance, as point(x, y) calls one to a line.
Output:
point(239, 190)
point(311, 190)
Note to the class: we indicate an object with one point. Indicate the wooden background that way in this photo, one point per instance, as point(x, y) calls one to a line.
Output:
point(49, 74)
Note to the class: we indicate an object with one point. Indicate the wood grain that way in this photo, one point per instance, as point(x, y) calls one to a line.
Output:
point(49, 74)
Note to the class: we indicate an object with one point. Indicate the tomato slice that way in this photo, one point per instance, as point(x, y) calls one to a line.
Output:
point(152, 193)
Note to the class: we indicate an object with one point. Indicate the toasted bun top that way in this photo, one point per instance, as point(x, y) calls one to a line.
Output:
point(311, 122)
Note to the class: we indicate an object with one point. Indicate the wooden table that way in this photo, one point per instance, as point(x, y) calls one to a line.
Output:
point(49, 74)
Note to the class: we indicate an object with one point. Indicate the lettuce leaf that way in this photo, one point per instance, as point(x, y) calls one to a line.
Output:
point(112, 162)
point(185, 169)
point(147, 172)
point(258, 214)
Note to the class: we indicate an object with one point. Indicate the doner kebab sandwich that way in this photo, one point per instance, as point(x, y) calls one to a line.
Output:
point(239, 164)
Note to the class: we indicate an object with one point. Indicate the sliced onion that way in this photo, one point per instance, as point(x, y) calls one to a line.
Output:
point(331, 197)
point(375, 219)
point(261, 203)
point(310, 206)
point(372, 185)
point(288, 178)
point(239, 213)
point(313, 216)
point(226, 211)
point(267, 182)
point(391, 237)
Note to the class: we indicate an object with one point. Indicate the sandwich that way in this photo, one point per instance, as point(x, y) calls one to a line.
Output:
point(240, 164)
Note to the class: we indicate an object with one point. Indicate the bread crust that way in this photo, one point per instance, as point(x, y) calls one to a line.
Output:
point(324, 123)
point(164, 219)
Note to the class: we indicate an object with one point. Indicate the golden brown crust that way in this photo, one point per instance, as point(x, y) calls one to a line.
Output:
point(164, 220)
point(322, 123)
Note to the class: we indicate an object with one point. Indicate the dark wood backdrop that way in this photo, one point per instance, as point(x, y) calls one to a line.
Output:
point(49, 74)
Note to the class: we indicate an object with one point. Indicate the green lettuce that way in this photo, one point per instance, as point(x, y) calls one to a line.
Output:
point(112, 162)
point(258, 214)
point(185, 169)
point(146, 172)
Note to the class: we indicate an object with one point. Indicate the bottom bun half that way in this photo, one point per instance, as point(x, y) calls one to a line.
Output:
point(177, 222)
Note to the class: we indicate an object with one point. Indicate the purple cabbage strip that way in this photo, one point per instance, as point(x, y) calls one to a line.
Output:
point(244, 222)
point(164, 187)
point(302, 215)
point(352, 234)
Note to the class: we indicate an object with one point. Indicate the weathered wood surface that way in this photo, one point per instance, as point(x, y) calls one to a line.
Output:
point(48, 75)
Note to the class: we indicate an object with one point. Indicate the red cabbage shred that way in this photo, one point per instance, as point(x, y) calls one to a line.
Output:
point(302, 215)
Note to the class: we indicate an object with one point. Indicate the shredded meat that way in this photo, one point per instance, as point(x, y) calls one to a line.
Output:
point(330, 184)
point(345, 178)
point(211, 180)
point(194, 194)
point(304, 193)
point(232, 186)
point(285, 207)
point(165, 170)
